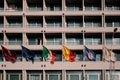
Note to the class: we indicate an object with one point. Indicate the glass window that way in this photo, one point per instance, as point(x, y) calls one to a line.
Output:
point(93, 77)
point(14, 76)
point(96, 41)
point(19, 57)
point(88, 7)
point(116, 41)
point(98, 57)
point(59, 57)
point(118, 56)
point(74, 77)
point(15, 41)
point(96, 24)
point(88, 41)
point(79, 57)
point(116, 24)
point(32, 41)
point(109, 24)
point(114, 76)
point(88, 24)
point(108, 41)
point(53, 75)
point(34, 77)
point(38, 57)
point(1, 56)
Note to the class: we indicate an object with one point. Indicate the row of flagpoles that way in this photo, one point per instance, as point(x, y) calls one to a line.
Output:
point(67, 54)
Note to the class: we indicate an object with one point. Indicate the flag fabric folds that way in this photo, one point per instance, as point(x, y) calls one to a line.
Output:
point(89, 54)
point(108, 55)
point(27, 54)
point(68, 54)
point(49, 55)
point(9, 55)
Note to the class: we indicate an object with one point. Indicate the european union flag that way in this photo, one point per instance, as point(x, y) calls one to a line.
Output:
point(28, 54)
point(89, 54)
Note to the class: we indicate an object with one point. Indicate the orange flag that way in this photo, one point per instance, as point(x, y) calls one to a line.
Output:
point(68, 54)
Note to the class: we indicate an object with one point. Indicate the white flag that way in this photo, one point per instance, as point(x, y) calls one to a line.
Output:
point(109, 55)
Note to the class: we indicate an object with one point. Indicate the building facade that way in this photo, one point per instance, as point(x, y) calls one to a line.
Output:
point(53, 23)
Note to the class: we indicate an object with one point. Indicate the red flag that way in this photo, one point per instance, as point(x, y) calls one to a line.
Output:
point(9, 55)
point(53, 58)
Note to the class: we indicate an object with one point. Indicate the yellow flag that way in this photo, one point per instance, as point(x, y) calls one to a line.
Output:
point(68, 54)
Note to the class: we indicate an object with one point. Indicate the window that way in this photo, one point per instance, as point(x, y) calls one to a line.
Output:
point(19, 56)
point(79, 57)
point(53, 75)
point(88, 41)
point(73, 75)
point(34, 75)
point(54, 24)
point(114, 76)
point(14, 75)
point(15, 41)
point(59, 57)
point(38, 56)
point(74, 41)
point(108, 41)
point(54, 7)
point(54, 41)
point(1, 56)
point(32, 41)
point(116, 41)
point(93, 75)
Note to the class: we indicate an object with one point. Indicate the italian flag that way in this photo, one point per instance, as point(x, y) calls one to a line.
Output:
point(68, 54)
point(49, 55)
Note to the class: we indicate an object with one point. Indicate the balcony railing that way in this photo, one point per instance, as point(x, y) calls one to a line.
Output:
point(15, 25)
point(14, 43)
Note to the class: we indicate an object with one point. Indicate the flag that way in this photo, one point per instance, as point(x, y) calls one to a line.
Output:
point(108, 55)
point(49, 55)
point(29, 55)
point(9, 55)
point(89, 54)
point(68, 54)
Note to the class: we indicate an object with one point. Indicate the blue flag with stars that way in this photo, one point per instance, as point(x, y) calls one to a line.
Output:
point(29, 55)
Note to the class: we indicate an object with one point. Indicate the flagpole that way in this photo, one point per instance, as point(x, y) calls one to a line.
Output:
point(83, 75)
point(112, 62)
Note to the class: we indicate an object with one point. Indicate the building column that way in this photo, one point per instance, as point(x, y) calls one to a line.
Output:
point(4, 75)
point(63, 74)
point(24, 75)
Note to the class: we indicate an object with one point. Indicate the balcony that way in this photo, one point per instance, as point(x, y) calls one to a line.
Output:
point(1, 5)
point(34, 39)
point(93, 22)
point(74, 22)
point(93, 39)
point(14, 22)
point(53, 5)
point(75, 5)
point(112, 5)
point(34, 22)
point(53, 22)
point(92, 5)
point(53, 39)
point(112, 21)
point(74, 39)
point(37, 5)
point(14, 5)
